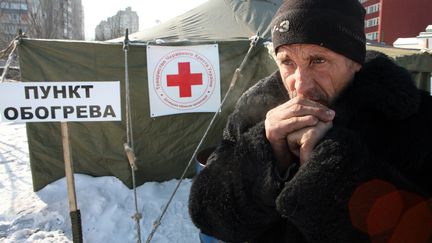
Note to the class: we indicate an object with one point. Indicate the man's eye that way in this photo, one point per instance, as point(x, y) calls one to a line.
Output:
point(287, 62)
point(318, 60)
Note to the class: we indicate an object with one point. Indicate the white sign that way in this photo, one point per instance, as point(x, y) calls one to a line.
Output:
point(183, 79)
point(60, 101)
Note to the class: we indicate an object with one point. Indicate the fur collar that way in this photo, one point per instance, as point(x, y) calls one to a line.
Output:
point(382, 87)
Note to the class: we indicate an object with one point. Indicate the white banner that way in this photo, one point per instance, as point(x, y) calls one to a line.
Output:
point(183, 79)
point(60, 101)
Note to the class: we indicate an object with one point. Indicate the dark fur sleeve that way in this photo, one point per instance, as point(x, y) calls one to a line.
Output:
point(316, 199)
point(233, 198)
point(319, 199)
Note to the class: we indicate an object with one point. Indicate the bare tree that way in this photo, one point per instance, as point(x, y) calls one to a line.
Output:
point(3, 41)
point(2, 3)
point(3, 6)
point(10, 24)
point(45, 19)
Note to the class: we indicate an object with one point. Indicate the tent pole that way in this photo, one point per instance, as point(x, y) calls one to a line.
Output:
point(129, 145)
point(12, 45)
point(73, 208)
point(254, 40)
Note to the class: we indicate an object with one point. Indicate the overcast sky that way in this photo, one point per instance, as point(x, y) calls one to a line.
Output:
point(149, 11)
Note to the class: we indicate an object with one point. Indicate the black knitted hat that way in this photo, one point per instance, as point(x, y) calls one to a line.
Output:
point(335, 24)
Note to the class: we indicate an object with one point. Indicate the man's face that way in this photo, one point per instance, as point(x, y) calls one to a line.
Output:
point(314, 72)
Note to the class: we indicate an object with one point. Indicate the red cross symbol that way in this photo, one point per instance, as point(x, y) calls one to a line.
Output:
point(185, 79)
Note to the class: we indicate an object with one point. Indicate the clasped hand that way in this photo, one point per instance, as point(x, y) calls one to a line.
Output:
point(295, 127)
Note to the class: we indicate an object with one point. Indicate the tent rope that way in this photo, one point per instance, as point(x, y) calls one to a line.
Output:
point(236, 76)
point(129, 145)
point(12, 47)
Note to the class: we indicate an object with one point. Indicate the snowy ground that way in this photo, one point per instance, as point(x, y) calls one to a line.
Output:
point(106, 204)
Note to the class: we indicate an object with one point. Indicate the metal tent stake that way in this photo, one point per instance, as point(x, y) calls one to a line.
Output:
point(73, 208)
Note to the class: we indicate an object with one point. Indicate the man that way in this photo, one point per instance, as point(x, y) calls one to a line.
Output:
point(333, 147)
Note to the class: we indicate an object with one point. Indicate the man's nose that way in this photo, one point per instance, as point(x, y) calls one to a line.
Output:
point(303, 81)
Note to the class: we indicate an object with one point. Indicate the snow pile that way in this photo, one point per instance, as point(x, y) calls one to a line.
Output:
point(106, 204)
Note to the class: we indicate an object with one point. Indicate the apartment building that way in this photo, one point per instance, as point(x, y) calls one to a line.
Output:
point(116, 25)
point(50, 19)
point(13, 16)
point(387, 20)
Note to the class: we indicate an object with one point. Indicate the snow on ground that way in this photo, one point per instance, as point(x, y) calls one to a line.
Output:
point(106, 204)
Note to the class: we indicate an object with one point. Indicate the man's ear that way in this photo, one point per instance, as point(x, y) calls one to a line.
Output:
point(355, 66)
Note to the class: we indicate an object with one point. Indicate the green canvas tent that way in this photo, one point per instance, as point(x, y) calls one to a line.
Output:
point(163, 145)
point(216, 20)
point(419, 63)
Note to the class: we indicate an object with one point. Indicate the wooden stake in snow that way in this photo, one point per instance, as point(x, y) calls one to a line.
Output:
point(73, 208)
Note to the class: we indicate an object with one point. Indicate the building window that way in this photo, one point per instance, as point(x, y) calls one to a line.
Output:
point(362, 1)
point(372, 8)
point(14, 18)
point(371, 22)
point(4, 5)
point(10, 29)
point(372, 35)
point(16, 6)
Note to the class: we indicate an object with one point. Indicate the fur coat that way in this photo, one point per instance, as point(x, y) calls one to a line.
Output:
point(368, 180)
